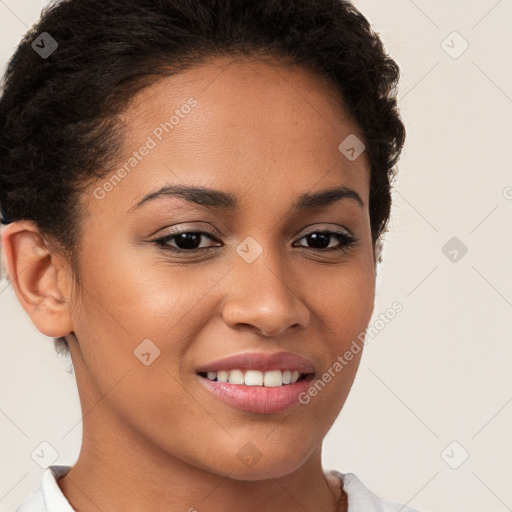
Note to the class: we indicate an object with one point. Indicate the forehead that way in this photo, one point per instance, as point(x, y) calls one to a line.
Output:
point(245, 125)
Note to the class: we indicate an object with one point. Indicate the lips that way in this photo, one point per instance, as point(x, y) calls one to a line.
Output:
point(258, 382)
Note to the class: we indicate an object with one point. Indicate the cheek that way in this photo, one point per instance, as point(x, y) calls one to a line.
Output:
point(133, 308)
point(344, 301)
point(127, 294)
point(343, 305)
point(126, 311)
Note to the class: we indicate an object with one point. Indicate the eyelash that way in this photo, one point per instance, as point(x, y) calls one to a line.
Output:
point(346, 241)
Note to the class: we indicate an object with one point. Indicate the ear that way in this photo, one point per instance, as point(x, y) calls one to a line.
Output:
point(39, 276)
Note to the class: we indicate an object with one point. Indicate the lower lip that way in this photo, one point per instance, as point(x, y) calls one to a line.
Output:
point(259, 399)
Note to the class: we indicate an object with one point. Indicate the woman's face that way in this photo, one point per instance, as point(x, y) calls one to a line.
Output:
point(259, 282)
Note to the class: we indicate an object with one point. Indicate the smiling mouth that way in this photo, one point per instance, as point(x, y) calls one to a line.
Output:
point(270, 378)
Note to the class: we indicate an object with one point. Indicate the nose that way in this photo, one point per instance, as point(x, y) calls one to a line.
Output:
point(263, 296)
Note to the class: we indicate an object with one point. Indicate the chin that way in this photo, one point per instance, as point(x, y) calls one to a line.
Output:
point(259, 460)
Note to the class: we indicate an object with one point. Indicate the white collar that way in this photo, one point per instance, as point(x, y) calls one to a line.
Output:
point(360, 498)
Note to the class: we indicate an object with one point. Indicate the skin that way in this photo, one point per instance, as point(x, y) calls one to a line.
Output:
point(153, 437)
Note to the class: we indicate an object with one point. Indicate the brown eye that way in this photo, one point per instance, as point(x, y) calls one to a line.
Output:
point(322, 240)
point(184, 241)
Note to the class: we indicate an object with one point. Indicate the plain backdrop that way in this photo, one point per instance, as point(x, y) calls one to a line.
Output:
point(429, 417)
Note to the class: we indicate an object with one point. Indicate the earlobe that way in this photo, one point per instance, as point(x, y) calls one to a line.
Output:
point(39, 278)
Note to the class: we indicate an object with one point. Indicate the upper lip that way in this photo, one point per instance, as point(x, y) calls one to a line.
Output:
point(260, 361)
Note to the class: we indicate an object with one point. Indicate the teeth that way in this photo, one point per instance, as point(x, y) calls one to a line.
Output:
point(236, 377)
point(222, 376)
point(272, 378)
point(253, 378)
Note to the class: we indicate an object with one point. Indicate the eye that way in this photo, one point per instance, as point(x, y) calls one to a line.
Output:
point(185, 241)
point(322, 240)
point(192, 241)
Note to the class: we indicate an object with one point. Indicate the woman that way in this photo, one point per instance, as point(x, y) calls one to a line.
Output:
point(193, 197)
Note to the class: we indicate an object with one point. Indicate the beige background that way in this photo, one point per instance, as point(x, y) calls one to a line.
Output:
point(440, 371)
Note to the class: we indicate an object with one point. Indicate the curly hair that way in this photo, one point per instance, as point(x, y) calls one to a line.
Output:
point(58, 112)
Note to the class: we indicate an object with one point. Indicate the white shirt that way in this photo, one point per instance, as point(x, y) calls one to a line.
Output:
point(49, 498)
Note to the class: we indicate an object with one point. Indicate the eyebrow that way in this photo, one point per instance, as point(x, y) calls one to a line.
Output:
point(211, 198)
